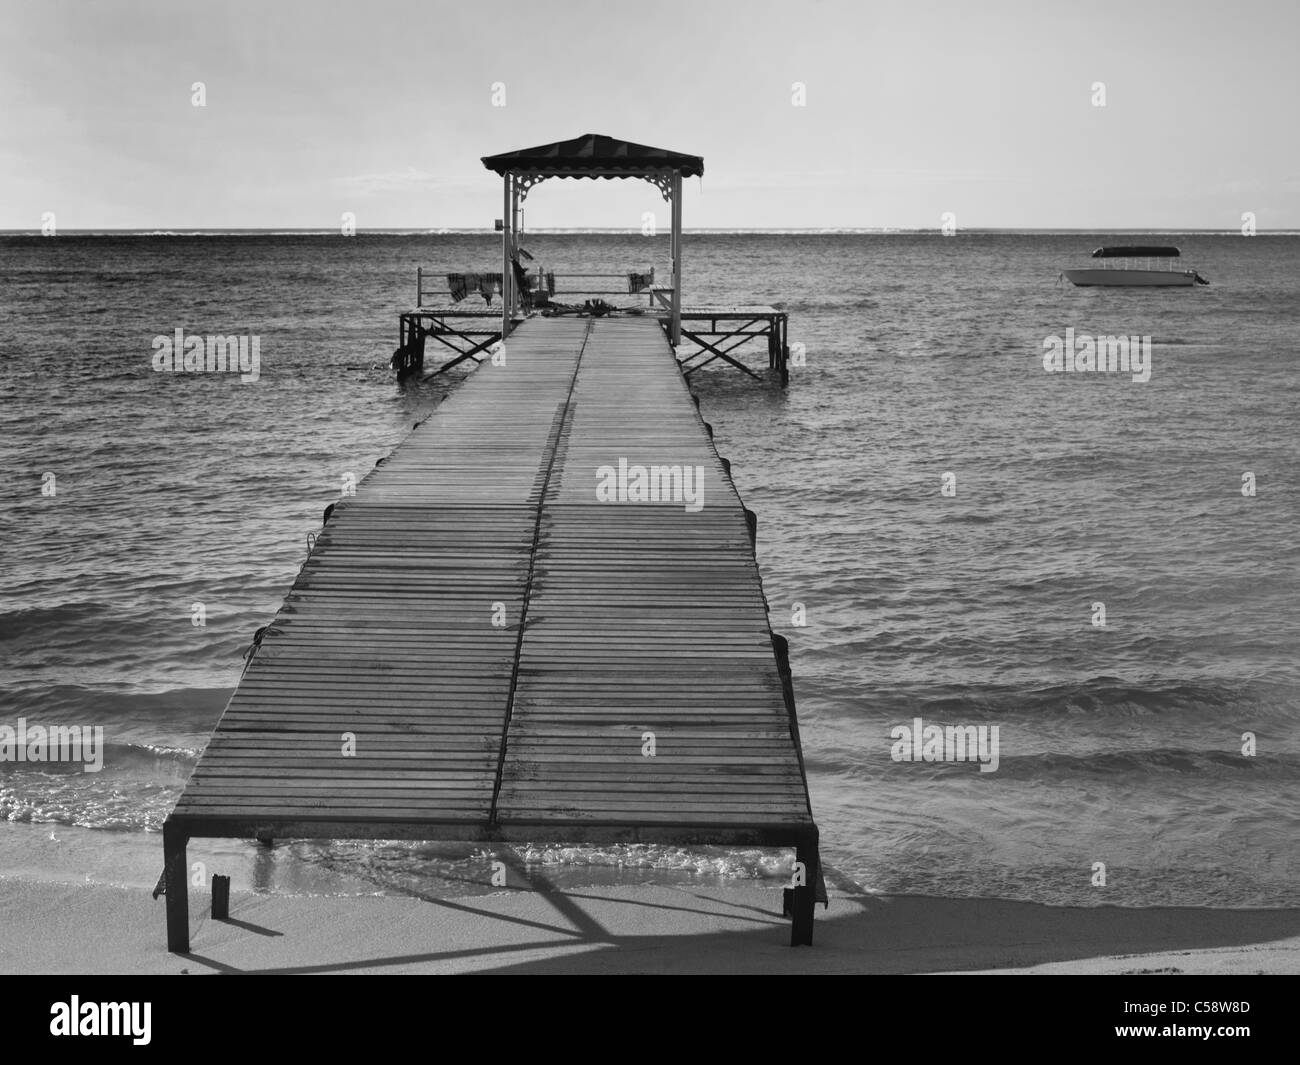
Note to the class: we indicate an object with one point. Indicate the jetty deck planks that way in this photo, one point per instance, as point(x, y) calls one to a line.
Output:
point(395, 695)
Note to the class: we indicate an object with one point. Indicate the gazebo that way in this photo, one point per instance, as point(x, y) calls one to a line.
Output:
point(589, 156)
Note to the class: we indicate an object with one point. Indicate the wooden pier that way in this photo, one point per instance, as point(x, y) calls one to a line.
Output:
point(480, 648)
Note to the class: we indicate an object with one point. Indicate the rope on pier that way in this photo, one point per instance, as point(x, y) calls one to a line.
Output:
point(265, 630)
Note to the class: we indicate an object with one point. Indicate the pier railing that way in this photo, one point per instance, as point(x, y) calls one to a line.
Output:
point(443, 288)
point(459, 312)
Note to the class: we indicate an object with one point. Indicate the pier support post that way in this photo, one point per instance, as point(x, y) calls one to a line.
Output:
point(220, 898)
point(783, 349)
point(409, 356)
point(805, 895)
point(178, 889)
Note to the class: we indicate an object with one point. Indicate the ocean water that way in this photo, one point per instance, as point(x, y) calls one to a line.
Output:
point(1119, 745)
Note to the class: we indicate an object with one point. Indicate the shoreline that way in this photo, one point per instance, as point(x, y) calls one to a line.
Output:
point(63, 928)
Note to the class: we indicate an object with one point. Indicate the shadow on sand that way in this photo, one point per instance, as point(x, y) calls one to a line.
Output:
point(570, 932)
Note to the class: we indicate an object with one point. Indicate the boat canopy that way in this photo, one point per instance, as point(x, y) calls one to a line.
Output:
point(1136, 251)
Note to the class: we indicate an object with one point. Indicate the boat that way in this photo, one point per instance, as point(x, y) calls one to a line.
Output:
point(1139, 265)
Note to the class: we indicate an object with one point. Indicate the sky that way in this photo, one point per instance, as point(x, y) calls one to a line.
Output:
point(986, 111)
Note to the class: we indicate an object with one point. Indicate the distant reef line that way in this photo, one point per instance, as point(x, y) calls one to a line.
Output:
point(615, 231)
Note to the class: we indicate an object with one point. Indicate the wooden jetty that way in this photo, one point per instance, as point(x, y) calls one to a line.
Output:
point(479, 649)
point(485, 644)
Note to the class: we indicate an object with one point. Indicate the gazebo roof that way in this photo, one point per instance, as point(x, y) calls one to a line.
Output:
point(593, 155)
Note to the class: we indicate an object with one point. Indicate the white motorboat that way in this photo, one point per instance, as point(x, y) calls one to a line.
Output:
point(1136, 265)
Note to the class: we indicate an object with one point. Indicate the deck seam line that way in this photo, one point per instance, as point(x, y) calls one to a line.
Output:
point(554, 450)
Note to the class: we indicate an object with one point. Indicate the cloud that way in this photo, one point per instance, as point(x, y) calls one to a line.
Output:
point(780, 179)
point(403, 181)
point(820, 179)
point(1256, 186)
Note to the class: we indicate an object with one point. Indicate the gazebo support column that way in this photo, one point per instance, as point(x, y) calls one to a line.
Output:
point(507, 243)
point(675, 327)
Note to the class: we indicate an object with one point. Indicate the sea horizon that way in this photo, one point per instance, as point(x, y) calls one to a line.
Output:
point(415, 231)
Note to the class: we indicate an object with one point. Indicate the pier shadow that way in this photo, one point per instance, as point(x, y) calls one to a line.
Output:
point(594, 932)
point(906, 935)
point(254, 928)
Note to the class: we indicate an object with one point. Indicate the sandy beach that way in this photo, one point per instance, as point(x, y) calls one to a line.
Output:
point(50, 928)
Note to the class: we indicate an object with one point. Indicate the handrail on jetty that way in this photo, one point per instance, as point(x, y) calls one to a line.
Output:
point(543, 286)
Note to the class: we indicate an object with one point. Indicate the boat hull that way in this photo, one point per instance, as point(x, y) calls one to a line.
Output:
point(1124, 278)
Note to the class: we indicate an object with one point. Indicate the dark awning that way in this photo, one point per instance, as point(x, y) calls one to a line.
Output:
point(594, 155)
point(1136, 251)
